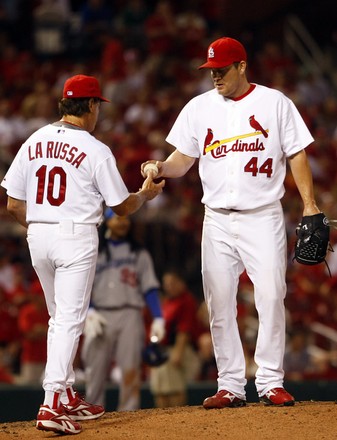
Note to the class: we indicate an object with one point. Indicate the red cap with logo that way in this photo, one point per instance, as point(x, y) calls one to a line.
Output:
point(224, 52)
point(82, 86)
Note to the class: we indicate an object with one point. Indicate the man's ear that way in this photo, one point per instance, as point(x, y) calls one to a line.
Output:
point(243, 66)
point(91, 104)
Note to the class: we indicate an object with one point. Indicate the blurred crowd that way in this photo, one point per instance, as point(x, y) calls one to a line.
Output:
point(145, 54)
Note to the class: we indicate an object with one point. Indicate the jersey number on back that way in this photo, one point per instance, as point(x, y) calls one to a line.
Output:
point(55, 181)
point(265, 168)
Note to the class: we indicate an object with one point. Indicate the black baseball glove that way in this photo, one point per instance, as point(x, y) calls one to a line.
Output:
point(312, 242)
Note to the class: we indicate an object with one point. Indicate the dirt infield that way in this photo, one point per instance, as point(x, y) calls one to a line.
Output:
point(304, 421)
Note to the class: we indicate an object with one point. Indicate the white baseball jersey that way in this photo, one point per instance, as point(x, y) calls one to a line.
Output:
point(241, 145)
point(64, 173)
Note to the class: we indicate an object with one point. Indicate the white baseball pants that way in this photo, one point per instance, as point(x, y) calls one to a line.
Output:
point(64, 257)
point(254, 240)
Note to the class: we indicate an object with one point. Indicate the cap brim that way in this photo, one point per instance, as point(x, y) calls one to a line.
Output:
point(104, 99)
point(214, 65)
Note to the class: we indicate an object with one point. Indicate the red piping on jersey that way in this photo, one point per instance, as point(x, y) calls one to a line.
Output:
point(251, 88)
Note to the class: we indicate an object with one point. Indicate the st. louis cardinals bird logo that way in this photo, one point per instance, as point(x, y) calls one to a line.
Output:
point(208, 139)
point(257, 126)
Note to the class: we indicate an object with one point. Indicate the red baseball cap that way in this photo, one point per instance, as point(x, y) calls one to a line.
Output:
point(82, 86)
point(224, 52)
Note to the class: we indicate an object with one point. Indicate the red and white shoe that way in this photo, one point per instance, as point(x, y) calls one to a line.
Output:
point(79, 409)
point(56, 420)
point(278, 397)
point(223, 399)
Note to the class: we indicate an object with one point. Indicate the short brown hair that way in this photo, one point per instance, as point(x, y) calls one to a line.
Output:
point(75, 106)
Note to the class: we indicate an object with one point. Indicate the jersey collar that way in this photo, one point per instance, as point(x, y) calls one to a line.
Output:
point(251, 88)
point(66, 125)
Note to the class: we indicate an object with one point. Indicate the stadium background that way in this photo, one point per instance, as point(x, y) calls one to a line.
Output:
point(291, 46)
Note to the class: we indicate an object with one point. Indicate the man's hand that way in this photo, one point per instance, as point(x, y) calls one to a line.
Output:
point(157, 163)
point(157, 331)
point(150, 189)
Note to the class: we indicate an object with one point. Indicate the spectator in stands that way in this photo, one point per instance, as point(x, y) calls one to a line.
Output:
point(208, 370)
point(131, 22)
point(112, 61)
point(160, 30)
point(38, 107)
point(312, 89)
point(51, 18)
point(9, 333)
point(297, 359)
point(131, 150)
point(17, 294)
point(6, 375)
point(192, 25)
point(168, 383)
point(13, 129)
point(272, 59)
point(96, 18)
point(33, 325)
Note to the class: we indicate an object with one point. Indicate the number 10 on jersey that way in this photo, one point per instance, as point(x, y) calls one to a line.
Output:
point(51, 185)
